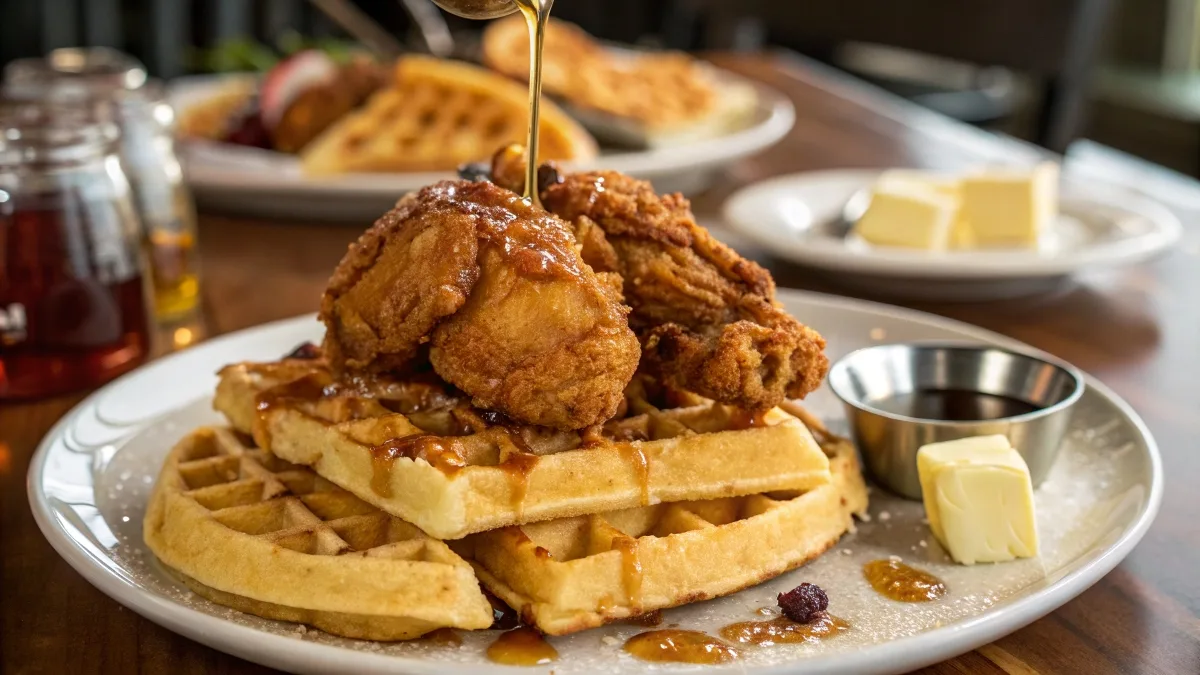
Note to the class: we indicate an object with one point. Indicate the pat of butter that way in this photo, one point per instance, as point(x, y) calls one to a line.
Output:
point(961, 235)
point(908, 215)
point(1010, 208)
point(978, 499)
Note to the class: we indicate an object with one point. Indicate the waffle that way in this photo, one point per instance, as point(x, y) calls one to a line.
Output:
point(424, 455)
point(650, 98)
point(211, 118)
point(436, 115)
point(247, 530)
point(576, 573)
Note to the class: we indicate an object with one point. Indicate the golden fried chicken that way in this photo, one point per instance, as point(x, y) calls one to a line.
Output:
point(707, 317)
point(496, 292)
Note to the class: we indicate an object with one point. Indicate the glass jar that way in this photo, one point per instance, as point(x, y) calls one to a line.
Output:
point(73, 299)
point(147, 148)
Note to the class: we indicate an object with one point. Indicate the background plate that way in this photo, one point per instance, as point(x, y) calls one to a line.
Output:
point(1093, 230)
point(92, 475)
point(260, 182)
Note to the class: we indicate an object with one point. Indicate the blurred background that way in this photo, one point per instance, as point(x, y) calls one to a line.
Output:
point(1123, 72)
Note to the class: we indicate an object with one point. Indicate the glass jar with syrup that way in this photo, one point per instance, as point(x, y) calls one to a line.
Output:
point(117, 84)
point(73, 301)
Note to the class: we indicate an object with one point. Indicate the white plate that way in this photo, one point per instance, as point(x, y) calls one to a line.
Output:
point(261, 182)
point(89, 481)
point(1094, 230)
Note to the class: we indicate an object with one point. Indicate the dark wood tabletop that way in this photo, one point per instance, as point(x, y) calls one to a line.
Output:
point(1136, 329)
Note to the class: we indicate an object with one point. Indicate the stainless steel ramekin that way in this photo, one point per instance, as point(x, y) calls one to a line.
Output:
point(869, 377)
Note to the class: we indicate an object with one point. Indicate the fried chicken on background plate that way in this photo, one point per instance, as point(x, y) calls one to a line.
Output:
point(493, 293)
point(707, 318)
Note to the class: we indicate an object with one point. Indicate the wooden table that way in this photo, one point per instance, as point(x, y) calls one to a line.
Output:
point(1138, 330)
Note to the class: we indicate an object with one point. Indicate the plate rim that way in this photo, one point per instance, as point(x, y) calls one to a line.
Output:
point(898, 655)
point(1167, 229)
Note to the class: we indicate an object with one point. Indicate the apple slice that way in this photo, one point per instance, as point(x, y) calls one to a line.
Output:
point(289, 79)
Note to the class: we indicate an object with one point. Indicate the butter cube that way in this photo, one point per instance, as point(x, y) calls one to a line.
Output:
point(908, 215)
point(1010, 208)
point(978, 499)
point(961, 236)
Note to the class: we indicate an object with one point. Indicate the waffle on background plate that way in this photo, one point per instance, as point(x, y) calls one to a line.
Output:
point(263, 533)
point(652, 99)
point(435, 115)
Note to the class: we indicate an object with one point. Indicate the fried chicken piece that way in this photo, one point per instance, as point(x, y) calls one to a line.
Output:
point(707, 317)
point(496, 292)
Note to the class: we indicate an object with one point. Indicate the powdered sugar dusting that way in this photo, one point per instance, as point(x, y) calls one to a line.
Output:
point(1092, 494)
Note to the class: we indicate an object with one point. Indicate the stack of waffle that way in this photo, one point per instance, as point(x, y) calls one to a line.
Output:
point(375, 509)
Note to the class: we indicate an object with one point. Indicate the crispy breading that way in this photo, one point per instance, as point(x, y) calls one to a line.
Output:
point(707, 317)
point(496, 289)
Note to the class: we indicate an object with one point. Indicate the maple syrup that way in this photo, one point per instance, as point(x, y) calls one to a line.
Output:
point(518, 465)
point(441, 453)
point(955, 405)
point(680, 646)
point(73, 300)
point(522, 646)
point(306, 389)
point(782, 630)
point(641, 468)
point(536, 12)
point(116, 86)
point(631, 568)
point(896, 581)
point(744, 419)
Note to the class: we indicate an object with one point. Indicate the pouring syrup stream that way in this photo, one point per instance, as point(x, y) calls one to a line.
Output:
point(535, 12)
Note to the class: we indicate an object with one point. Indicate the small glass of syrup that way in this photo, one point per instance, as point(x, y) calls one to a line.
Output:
point(73, 298)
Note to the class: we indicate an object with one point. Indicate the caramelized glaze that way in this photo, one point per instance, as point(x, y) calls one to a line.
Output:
point(680, 646)
point(896, 581)
point(443, 454)
point(641, 467)
point(631, 568)
point(518, 467)
point(745, 419)
point(307, 389)
point(782, 630)
point(522, 646)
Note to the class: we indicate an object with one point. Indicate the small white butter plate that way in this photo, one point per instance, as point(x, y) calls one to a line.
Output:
point(1094, 230)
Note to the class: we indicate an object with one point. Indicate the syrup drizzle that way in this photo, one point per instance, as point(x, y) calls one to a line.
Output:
point(641, 467)
point(518, 466)
point(441, 453)
point(306, 389)
point(680, 646)
point(782, 630)
point(522, 646)
point(535, 12)
point(631, 568)
point(896, 581)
